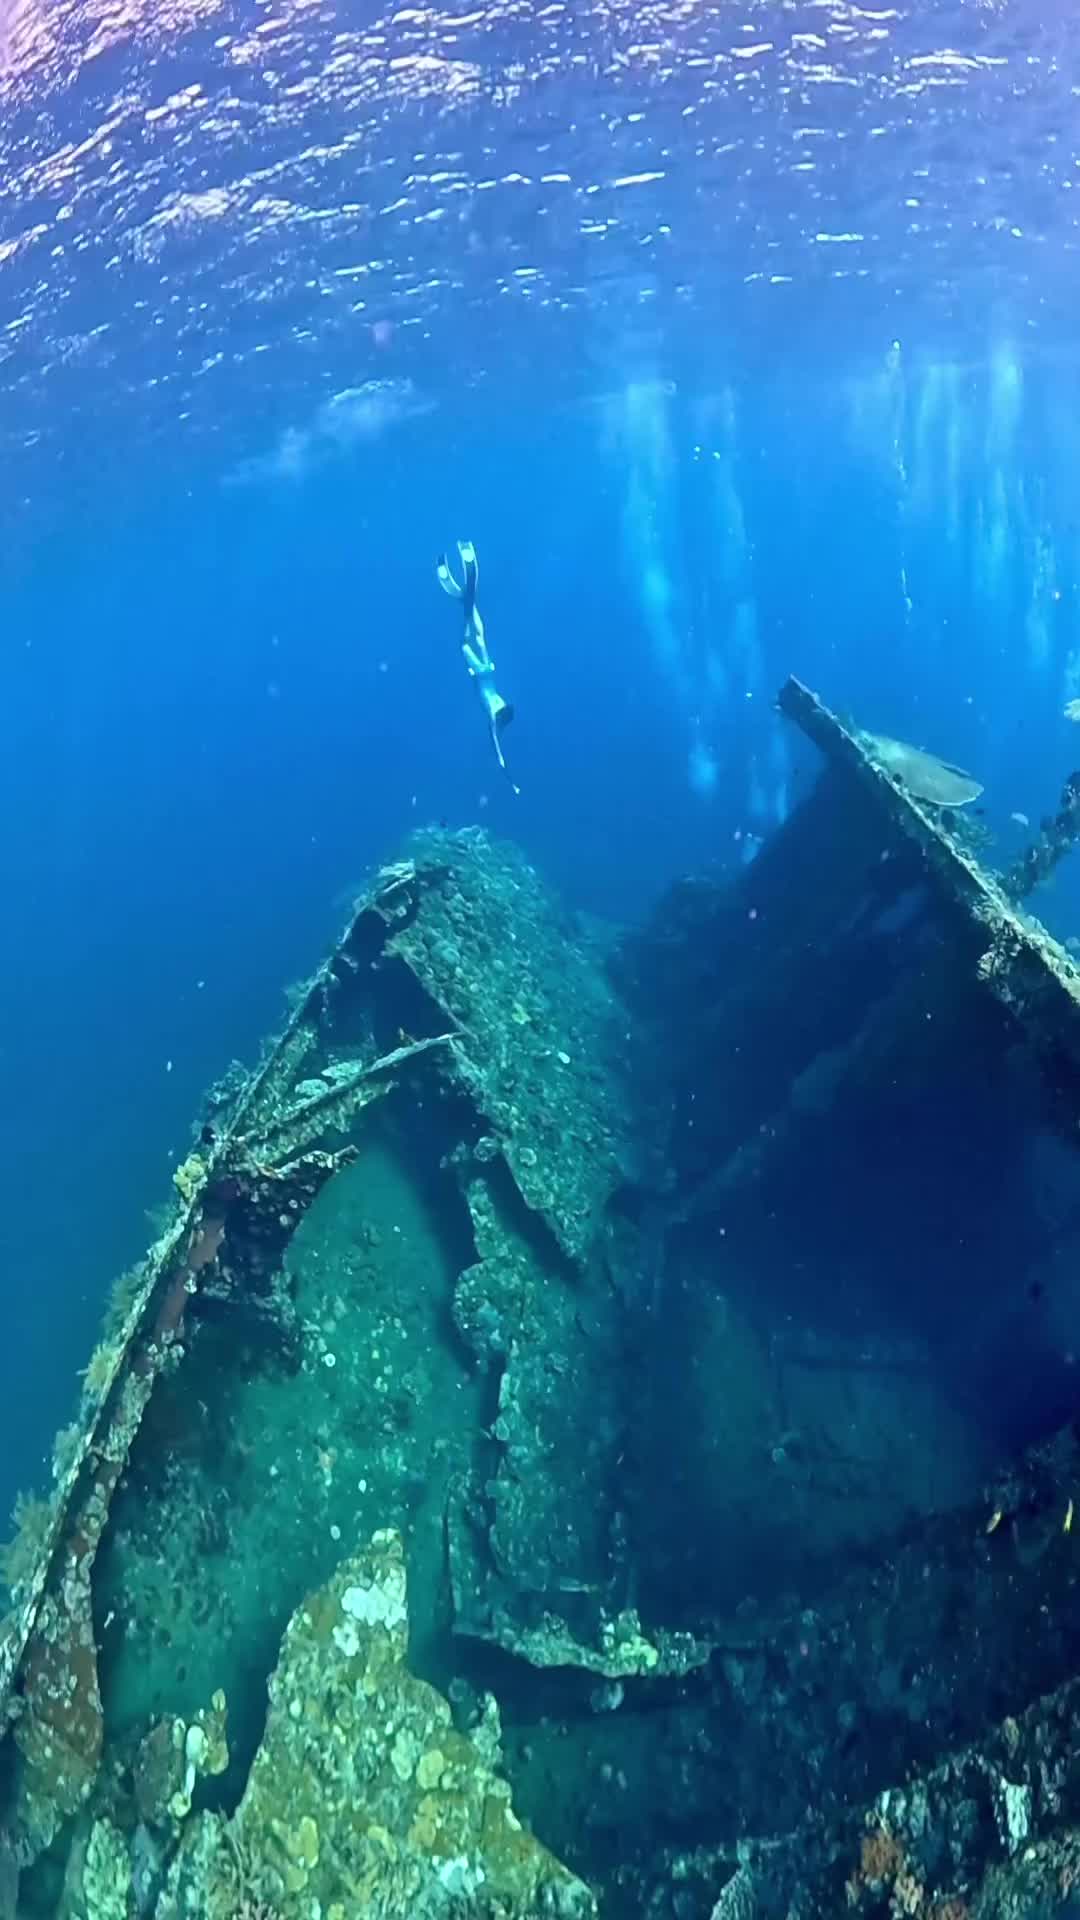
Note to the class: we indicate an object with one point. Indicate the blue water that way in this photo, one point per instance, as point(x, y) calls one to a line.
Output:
point(739, 341)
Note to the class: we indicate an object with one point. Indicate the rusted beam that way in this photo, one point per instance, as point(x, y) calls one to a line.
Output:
point(1026, 969)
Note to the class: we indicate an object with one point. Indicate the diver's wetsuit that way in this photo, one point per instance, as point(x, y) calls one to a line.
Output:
point(474, 647)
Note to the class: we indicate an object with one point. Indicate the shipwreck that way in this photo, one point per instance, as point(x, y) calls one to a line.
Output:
point(596, 1432)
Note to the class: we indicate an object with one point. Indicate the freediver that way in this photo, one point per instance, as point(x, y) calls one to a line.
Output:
point(478, 661)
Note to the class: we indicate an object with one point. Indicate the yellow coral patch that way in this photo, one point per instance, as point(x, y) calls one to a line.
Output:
point(189, 1176)
point(430, 1768)
point(425, 1827)
point(303, 1843)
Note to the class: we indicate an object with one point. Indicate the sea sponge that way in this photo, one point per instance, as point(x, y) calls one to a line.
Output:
point(19, 1558)
point(97, 1373)
point(189, 1176)
point(881, 1856)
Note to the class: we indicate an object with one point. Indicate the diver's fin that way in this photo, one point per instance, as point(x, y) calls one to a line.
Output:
point(470, 565)
point(470, 571)
point(446, 579)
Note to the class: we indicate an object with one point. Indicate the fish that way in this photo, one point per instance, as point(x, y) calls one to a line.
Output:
point(925, 776)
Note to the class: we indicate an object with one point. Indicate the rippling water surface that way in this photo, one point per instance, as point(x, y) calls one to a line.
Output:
point(212, 214)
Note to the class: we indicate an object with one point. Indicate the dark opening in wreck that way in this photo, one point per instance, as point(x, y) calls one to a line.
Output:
point(623, 1385)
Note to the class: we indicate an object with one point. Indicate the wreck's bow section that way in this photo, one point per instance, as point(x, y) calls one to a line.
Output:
point(617, 1386)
